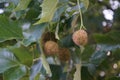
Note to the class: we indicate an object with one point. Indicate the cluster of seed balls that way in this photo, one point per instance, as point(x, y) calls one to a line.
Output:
point(51, 47)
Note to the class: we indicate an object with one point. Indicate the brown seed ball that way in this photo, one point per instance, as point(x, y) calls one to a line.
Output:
point(80, 37)
point(51, 48)
point(46, 36)
point(64, 54)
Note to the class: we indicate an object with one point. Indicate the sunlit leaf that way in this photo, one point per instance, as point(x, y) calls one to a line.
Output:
point(23, 4)
point(15, 73)
point(9, 29)
point(48, 10)
point(7, 60)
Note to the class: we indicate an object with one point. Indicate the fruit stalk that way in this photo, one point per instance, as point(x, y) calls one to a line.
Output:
point(80, 13)
point(78, 3)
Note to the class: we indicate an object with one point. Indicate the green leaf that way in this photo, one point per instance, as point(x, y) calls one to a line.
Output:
point(77, 75)
point(35, 33)
point(106, 48)
point(25, 78)
point(58, 12)
point(104, 39)
point(48, 10)
point(23, 4)
point(17, 15)
point(88, 51)
point(114, 78)
point(13, 1)
point(8, 10)
point(8, 43)
point(67, 41)
point(9, 29)
point(15, 73)
point(63, 1)
point(91, 69)
point(109, 38)
point(23, 55)
point(35, 69)
point(101, 54)
point(32, 14)
point(98, 57)
point(56, 72)
point(46, 65)
point(85, 3)
point(7, 60)
point(37, 77)
point(85, 74)
point(116, 54)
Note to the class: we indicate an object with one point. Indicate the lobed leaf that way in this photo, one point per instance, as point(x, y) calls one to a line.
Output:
point(22, 5)
point(48, 10)
point(35, 69)
point(15, 73)
point(7, 60)
point(23, 55)
point(109, 38)
point(13, 1)
point(34, 34)
point(85, 3)
point(98, 57)
point(9, 29)
point(46, 65)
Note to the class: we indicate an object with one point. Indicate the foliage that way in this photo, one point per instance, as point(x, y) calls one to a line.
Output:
point(22, 55)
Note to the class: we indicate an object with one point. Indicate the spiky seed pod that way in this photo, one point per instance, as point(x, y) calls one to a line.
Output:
point(80, 37)
point(64, 54)
point(46, 36)
point(51, 48)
